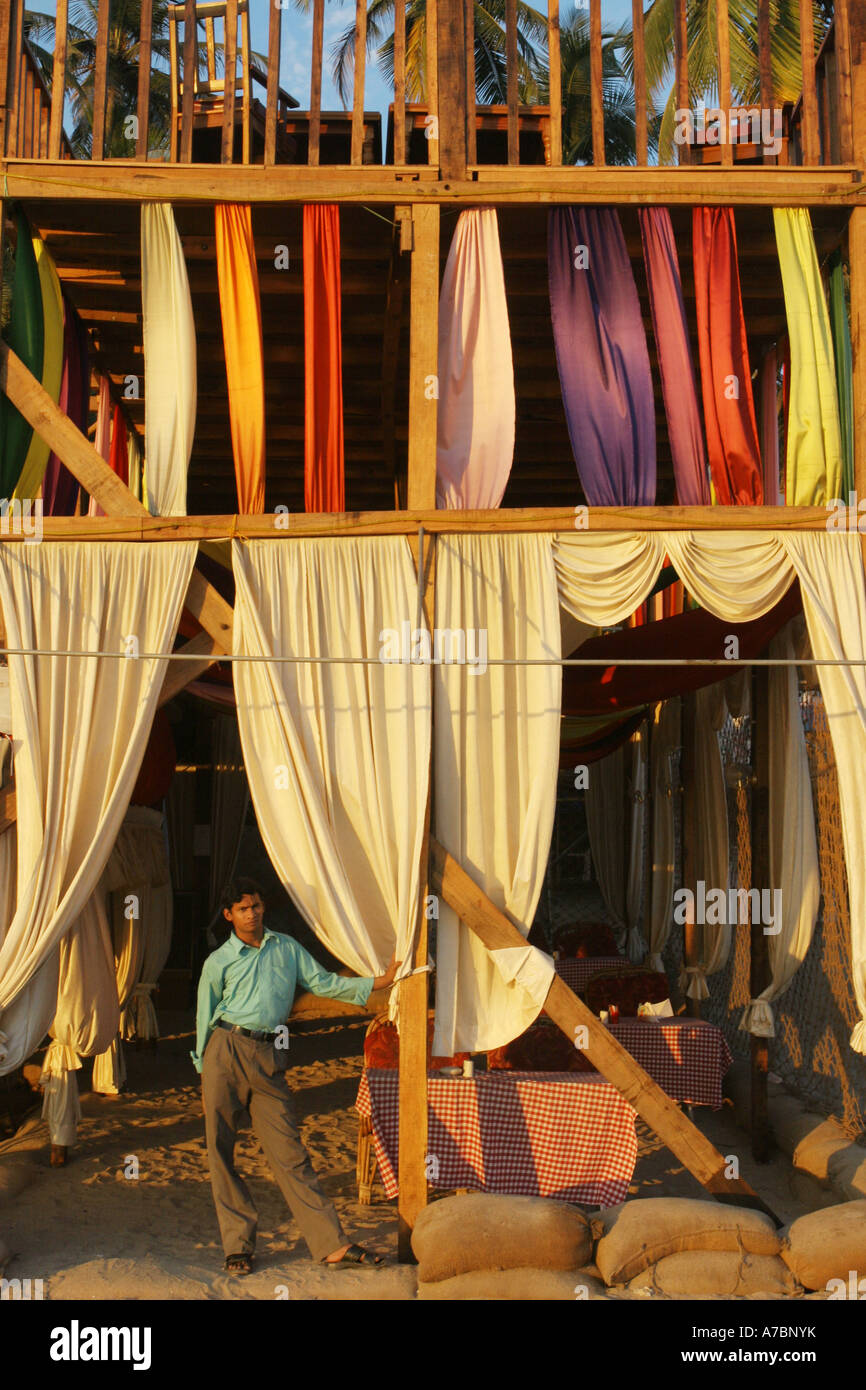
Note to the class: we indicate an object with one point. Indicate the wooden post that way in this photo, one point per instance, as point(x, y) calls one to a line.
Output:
point(723, 40)
point(681, 68)
point(809, 107)
point(691, 938)
point(596, 83)
point(452, 50)
point(423, 346)
point(759, 963)
point(607, 1055)
point(230, 82)
point(100, 80)
point(274, 31)
point(640, 105)
point(511, 80)
point(554, 50)
point(765, 64)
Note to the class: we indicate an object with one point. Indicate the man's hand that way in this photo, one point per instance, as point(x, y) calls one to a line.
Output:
point(383, 981)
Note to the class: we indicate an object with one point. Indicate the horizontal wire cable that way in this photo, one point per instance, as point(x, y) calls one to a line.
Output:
point(217, 657)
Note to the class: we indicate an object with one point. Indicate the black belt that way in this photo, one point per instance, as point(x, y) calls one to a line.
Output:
point(256, 1033)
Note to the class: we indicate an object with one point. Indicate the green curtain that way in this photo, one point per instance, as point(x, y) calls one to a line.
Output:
point(841, 330)
point(26, 337)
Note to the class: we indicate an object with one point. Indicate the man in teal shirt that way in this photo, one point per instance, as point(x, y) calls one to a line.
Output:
point(245, 996)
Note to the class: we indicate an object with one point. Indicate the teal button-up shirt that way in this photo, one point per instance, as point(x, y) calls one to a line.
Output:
point(254, 986)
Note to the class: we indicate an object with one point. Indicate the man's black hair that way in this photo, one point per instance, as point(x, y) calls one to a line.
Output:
point(237, 889)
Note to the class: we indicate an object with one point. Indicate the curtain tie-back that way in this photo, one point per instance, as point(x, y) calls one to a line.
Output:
point(758, 1019)
point(696, 988)
point(58, 1059)
point(636, 945)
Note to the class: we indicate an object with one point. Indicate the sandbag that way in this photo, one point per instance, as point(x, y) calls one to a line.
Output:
point(826, 1244)
point(640, 1233)
point(515, 1285)
point(723, 1273)
point(485, 1231)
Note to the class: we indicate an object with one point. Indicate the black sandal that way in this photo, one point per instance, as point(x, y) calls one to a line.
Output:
point(239, 1264)
point(356, 1255)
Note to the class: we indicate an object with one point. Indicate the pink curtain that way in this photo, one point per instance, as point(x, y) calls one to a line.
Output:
point(476, 420)
point(324, 463)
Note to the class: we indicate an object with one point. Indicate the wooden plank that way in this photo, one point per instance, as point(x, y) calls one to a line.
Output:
point(399, 81)
point(58, 79)
point(499, 186)
point(688, 821)
point(759, 960)
point(210, 47)
point(811, 151)
point(8, 37)
point(596, 79)
point(25, 119)
point(316, 83)
point(843, 80)
point(511, 79)
point(230, 53)
point(190, 75)
point(681, 68)
point(246, 88)
point(470, 153)
point(554, 51)
point(180, 673)
point(359, 83)
point(175, 83)
point(640, 86)
point(145, 48)
point(608, 1056)
point(432, 91)
point(723, 43)
point(274, 39)
point(100, 78)
point(423, 357)
point(765, 66)
point(503, 521)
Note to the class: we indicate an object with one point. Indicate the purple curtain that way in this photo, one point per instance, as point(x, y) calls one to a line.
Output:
point(59, 488)
point(675, 358)
point(601, 354)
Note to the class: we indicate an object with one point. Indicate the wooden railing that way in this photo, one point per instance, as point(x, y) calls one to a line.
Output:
point(199, 117)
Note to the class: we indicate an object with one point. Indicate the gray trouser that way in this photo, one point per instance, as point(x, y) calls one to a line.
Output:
point(241, 1074)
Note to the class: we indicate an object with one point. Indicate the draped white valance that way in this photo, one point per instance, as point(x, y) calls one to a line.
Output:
point(740, 577)
point(81, 726)
point(496, 751)
point(337, 755)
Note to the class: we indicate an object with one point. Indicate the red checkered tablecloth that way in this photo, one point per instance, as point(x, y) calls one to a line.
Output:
point(553, 1135)
point(577, 972)
point(686, 1056)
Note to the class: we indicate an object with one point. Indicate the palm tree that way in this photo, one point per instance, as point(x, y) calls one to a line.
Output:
point(618, 90)
point(490, 77)
point(122, 84)
point(703, 69)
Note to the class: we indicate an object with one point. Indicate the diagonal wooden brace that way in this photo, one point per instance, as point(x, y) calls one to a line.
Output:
point(608, 1056)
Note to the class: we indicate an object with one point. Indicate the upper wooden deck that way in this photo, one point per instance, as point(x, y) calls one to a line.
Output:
point(160, 121)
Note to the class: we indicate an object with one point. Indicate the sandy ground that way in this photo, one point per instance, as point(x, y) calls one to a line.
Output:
point(90, 1232)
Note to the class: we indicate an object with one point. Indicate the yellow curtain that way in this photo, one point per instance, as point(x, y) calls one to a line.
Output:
point(242, 339)
point(814, 443)
point(32, 473)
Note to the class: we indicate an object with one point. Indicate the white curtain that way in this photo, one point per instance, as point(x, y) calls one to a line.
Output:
point(793, 844)
point(606, 828)
point(337, 755)
point(603, 579)
point(86, 1018)
point(476, 417)
point(168, 332)
point(665, 740)
point(636, 946)
point(496, 755)
point(81, 726)
point(708, 804)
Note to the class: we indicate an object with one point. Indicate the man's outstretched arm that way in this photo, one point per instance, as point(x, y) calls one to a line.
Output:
point(351, 988)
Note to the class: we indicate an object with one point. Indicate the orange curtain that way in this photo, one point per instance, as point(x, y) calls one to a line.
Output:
point(118, 458)
point(324, 468)
point(238, 279)
point(729, 409)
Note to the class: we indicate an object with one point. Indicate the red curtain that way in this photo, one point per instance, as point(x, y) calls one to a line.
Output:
point(729, 409)
point(324, 467)
point(118, 456)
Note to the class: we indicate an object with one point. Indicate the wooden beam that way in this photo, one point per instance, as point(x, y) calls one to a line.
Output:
point(470, 152)
point(117, 180)
point(511, 80)
point(316, 84)
point(432, 90)
point(359, 82)
point(596, 81)
point(230, 70)
point(399, 81)
point(681, 68)
point(423, 358)
point(843, 79)
point(608, 1056)
point(274, 34)
point(180, 673)
point(100, 78)
point(190, 48)
point(58, 79)
point(554, 50)
point(8, 29)
point(759, 959)
point(723, 42)
point(765, 65)
point(640, 86)
point(455, 43)
point(137, 524)
point(809, 108)
point(145, 49)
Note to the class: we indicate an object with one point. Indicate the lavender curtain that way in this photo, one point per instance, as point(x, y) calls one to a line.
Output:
point(601, 354)
point(675, 358)
point(59, 488)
